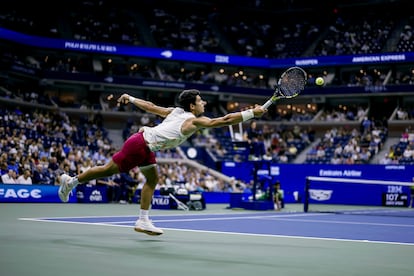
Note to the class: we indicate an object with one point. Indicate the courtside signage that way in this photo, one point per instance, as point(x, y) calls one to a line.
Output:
point(202, 57)
point(28, 193)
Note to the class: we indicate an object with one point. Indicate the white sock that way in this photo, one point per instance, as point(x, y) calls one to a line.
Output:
point(144, 214)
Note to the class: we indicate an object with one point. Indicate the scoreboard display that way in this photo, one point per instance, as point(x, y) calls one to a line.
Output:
point(395, 196)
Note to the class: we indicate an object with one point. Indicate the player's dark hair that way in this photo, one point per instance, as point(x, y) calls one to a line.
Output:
point(187, 97)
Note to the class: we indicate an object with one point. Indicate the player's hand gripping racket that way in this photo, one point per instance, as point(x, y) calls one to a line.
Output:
point(289, 85)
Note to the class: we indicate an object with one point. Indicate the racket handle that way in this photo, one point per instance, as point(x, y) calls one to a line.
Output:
point(267, 104)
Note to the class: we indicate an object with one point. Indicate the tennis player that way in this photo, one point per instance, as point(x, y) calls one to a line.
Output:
point(138, 150)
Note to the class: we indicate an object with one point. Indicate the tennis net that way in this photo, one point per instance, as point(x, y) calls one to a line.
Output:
point(358, 196)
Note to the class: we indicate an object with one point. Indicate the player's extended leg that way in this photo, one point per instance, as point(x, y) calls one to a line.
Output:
point(96, 172)
point(67, 183)
point(144, 224)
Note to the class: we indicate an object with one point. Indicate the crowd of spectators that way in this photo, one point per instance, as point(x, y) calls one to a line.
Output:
point(403, 151)
point(280, 144)
point(343, 113)
point(347, 145)
point(47, 143)
point(37, 146)
point(214, 29)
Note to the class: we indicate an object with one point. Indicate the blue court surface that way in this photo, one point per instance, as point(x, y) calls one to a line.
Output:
point(356, 228)
point(99, 240)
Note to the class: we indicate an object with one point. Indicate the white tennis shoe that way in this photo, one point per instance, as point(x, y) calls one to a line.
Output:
point(146, 226)
point(65, 187)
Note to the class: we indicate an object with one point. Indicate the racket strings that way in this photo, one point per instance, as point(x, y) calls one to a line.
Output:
point(292, 82)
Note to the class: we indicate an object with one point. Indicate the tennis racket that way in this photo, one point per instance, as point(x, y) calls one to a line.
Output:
point(289, 85)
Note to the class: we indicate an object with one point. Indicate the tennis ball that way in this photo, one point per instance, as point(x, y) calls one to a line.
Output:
point(319, 81)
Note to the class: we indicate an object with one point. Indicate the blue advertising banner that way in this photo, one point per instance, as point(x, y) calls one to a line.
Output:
point(160, 202)
point(293, 178)
point(190, 56)
point(362, 194)
point(91, 194)
point(137, 51)
point(31, 193)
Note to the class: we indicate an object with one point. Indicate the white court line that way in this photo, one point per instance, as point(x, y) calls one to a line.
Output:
point(347, 222)
point(277, 217)
point(266, 217)
point(270, 214)
point(291, 237)
point(231, 217)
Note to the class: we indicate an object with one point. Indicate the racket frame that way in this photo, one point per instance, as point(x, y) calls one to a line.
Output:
point(277, 94)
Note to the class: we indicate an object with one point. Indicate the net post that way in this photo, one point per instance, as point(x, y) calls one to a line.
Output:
point(306, 198)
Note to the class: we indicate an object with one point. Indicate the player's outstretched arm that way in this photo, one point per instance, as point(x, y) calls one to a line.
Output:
point(145, 105)
point(230, 119)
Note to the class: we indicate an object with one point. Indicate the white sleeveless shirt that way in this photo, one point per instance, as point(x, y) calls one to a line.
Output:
point(168, 134)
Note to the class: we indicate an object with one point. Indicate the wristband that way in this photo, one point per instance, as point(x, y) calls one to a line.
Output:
point(247, 115)
point(131, 99)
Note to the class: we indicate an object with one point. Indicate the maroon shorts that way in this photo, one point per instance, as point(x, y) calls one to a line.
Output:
point(133, 153)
